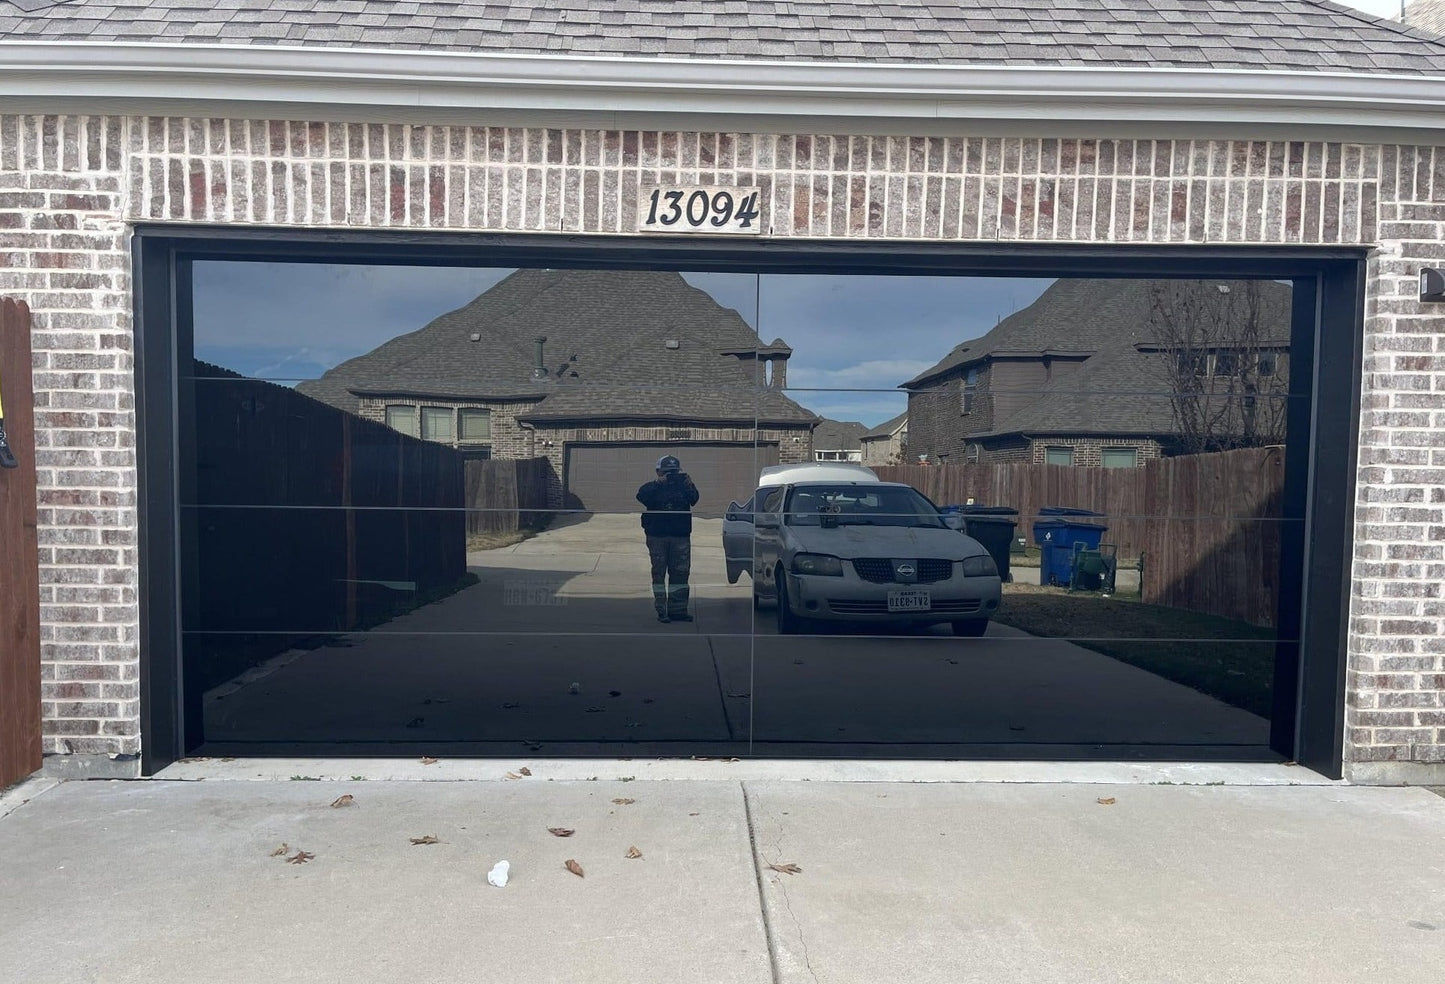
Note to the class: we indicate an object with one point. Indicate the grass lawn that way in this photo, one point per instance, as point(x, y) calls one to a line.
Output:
point(1179, 645)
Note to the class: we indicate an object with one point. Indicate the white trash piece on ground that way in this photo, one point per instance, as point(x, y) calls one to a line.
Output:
point(498, 875)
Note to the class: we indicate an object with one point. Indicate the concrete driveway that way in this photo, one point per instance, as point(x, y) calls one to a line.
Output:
point(741, 880)
point(556, 648)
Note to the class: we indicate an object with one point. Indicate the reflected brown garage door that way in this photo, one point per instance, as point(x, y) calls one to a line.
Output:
point(605, 477)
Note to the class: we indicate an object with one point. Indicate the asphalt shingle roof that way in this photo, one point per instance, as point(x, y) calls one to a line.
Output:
point(886, 428)
point(1302, 35)
point(619, 345)
point(1123, 385)
point(838, 435)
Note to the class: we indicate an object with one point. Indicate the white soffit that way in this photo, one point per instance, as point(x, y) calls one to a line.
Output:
point(332, 83)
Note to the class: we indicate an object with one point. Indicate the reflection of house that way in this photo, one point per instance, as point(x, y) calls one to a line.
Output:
point(838, 440)
point(1111, 373)
point(602, 372)
point(884, 444)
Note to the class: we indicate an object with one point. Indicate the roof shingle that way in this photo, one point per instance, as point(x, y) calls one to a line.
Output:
point(1299, 35)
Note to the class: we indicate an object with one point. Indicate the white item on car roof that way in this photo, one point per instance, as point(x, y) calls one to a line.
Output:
point(822, 472)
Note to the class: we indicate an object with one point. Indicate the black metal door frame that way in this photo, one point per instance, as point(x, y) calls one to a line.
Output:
point(1321, 454)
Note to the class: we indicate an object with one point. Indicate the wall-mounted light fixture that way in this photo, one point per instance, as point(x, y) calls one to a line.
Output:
point(1432, 285)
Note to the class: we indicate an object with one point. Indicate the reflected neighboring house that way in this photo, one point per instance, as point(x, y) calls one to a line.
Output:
point(600, 371)
point(838, 440)
point(1111, 373)
point(884, 444)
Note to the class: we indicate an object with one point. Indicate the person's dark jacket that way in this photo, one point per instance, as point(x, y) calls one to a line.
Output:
point(669, 505)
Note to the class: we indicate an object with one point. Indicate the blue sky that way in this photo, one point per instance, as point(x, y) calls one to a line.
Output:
point(854, 339)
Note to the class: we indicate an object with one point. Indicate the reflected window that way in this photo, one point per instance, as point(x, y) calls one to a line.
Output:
point(436, 424)
point(1059, 456)
point(1226, 363)
point(474, 425)
point(401, 417)
point(1268, 364)
point(969, 392)
point(1120, 457)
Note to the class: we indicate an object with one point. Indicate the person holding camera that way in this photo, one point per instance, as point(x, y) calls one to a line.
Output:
point(667, 522)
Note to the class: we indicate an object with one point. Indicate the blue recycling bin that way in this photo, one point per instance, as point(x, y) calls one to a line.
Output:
point(1056, 531)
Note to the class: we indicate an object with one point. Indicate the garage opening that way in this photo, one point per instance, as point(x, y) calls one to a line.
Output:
point(945, 506)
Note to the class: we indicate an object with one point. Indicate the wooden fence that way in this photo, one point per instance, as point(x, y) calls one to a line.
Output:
point(1207, 526)
point(504, 495)
point(304, 518)
point(20, 746)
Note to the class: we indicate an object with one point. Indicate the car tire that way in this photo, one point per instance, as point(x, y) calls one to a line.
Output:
point(757, 600)
point(788, 623)
point(970, 628)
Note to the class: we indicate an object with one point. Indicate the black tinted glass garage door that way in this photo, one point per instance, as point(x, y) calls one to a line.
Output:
point(1007, 525)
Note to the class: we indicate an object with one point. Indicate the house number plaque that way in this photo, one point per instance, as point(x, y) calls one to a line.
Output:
point(693, 208)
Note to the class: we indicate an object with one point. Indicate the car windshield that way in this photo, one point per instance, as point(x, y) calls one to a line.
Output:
point(859, 505)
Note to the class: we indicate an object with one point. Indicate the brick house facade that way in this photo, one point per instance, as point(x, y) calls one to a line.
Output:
point(70, 188)
point(74, 186)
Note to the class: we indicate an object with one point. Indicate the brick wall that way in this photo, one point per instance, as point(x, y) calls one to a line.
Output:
point(509, 439)
point(1088, 451)
point(70, 185)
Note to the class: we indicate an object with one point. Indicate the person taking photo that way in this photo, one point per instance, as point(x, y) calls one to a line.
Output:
point(667, 522)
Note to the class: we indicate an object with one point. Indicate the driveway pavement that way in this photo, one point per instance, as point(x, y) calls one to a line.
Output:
point(740, 879)
point(556, 649)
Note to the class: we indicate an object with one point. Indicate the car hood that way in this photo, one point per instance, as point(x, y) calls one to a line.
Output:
point(849, 542)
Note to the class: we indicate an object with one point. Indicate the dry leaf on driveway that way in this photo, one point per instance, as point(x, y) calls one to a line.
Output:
point(346, 799)
point(574, 867)
point(513, 775)
point(624, 801)
point(634, 853)
point(428, 760)
point(300, 857)
point(283, 849)
point(525, 771)
point(561, 831)
point(787, 869)
point(1106, 801)
point(426, 839)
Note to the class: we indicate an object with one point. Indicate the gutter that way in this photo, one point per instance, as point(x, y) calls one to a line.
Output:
point(604, 91)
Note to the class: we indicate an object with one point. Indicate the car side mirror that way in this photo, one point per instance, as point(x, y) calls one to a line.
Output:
point(953, 521)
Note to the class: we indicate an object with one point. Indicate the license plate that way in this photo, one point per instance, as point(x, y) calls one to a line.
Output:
point(909, 601)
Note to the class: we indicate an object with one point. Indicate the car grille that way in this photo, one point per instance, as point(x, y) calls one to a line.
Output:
point(879, 570)
point(964, 606)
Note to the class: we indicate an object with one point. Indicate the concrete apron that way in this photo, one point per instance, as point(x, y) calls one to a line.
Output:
point(1135, 878)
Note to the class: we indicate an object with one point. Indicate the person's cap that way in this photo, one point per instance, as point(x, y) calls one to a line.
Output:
point(667, 463)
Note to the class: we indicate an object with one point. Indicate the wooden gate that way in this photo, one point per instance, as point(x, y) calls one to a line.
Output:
point(19, 557)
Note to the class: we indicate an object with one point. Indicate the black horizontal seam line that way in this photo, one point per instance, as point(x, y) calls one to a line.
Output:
point(502, 633)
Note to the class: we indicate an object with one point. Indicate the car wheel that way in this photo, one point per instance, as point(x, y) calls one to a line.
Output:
point(970, 628)
point(788, 623)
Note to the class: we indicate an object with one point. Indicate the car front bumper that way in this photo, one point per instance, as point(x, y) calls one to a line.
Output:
point(852, 599)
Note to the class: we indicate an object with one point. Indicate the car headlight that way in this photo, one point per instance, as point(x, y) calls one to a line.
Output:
point(980, 566)
point(821, 564)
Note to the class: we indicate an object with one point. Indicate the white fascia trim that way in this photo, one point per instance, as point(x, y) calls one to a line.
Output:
point(136, 75)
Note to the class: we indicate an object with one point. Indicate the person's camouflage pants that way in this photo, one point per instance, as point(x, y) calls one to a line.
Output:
point(671, 562)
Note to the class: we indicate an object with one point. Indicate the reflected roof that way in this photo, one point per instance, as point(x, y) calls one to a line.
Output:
point(618, 345)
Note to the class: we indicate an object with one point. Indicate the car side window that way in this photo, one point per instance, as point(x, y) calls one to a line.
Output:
point(744, 511)
point(772, 501)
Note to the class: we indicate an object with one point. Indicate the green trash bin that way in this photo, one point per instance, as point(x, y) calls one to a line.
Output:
point(993, 528)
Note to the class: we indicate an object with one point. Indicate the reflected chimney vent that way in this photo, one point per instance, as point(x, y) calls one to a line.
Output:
point(476, 336)
point(539, 367)
point(671, 343)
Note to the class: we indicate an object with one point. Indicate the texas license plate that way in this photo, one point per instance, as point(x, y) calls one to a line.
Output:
point(909, 601)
